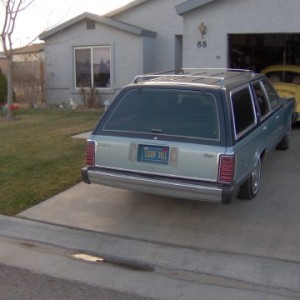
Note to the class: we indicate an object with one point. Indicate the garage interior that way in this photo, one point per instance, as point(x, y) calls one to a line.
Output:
point(257, 51)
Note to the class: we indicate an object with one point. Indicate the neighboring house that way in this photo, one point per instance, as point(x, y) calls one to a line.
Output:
point(29, 74)
point(3, 63)
point(107, 52)
point(32, 52)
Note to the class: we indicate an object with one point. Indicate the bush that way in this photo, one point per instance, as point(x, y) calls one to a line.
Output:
point(90, 97)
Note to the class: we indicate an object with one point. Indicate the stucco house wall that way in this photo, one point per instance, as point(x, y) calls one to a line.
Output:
point(155, 35)
point(159, 16)
point(131, 54)
point(231, 17)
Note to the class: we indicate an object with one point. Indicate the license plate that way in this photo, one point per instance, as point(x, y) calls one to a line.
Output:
point(153, 154)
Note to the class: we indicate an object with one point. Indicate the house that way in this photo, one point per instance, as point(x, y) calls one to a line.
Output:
point(3, 63)
point(28, 74)
point(32, 52)
point(243, 34)
point(107, 52)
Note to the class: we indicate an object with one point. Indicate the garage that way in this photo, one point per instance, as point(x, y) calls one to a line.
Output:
point(240, 34)
point(257, 51)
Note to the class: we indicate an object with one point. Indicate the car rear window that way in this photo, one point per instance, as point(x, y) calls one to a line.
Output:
point(166, 111)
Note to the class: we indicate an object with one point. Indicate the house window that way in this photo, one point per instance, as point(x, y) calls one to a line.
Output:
point(92, 67)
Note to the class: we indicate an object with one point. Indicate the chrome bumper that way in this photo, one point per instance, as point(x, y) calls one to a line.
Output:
point(163, 187)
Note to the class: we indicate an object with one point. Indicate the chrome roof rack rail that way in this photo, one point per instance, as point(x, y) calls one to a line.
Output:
point(192, 73)
point(141, 78)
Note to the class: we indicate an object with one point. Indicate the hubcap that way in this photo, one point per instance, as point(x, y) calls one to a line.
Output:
point(255, 177)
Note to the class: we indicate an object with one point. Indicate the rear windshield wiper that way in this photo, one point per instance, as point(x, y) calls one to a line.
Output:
point(154, 130)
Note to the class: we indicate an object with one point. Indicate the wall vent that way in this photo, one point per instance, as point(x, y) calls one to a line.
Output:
point(90, 24)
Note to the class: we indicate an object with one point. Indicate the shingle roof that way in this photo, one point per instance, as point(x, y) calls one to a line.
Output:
point(190, 5)
point(33, 48)
point(99, 19)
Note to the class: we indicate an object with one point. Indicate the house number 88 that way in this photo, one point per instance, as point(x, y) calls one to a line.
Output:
point(202, 44)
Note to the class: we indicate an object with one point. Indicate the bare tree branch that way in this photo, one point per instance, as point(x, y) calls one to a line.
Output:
point(12, 8)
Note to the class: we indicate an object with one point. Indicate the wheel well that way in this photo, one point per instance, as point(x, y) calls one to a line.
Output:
point(262, 155)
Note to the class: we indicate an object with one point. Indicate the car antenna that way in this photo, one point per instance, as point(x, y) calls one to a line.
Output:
point(283, 66)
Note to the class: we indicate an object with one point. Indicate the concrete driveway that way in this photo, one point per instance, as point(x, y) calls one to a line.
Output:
point(258, 240)
point(266, 226)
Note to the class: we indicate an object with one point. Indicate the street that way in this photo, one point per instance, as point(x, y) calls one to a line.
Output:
point(16, 283)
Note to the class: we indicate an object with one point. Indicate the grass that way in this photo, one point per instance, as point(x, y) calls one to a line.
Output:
point(38, 157)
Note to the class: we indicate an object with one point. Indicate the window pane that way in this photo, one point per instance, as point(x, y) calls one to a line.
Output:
point(243, 110)
point(261, 99)
point(168, 112)
point(101, 66)
point(272, 95)
point(83, 67)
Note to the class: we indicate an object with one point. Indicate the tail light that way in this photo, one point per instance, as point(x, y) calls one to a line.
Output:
point(90, 153)
point(226, 169)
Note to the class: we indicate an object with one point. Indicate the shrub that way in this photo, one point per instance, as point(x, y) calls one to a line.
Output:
point(90, 97)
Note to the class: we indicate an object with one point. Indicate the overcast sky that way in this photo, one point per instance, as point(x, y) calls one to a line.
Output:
point(44, 14)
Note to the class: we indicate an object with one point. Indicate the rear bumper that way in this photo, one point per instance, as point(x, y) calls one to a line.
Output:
point(210, 192)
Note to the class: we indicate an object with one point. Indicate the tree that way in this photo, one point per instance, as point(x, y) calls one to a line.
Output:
point(11, 10)
point(3, 88)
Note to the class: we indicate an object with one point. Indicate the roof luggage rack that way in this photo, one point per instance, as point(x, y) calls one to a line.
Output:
point(216, 75)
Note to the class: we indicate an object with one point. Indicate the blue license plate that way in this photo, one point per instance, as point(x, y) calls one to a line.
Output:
point(153, 154)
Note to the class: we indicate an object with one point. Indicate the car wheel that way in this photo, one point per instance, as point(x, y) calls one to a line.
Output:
point(249, 189)
point(286, 140)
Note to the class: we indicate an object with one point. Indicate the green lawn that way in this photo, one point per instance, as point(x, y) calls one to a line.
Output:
point(38, 157)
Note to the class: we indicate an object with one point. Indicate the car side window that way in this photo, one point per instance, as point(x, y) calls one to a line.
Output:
point(271, 93)
point(243, 110)
point(262, 100)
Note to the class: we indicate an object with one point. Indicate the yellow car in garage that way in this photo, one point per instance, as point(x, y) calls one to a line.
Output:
point(286, 80)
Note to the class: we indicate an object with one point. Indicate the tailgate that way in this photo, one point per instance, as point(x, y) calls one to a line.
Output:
point(165, 158)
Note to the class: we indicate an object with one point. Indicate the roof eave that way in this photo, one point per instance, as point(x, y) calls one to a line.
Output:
point(124, 8)
point(189, 5)
point(100, 19)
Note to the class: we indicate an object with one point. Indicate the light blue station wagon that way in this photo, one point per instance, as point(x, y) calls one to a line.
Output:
point(198, 134)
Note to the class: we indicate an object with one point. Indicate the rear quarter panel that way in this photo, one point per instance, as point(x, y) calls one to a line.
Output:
point(247, 150)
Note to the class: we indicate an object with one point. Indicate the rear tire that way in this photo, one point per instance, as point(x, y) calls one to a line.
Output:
point(249, 189)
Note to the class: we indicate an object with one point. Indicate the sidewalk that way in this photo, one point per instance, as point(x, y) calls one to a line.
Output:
point(155, 270)
point(84, 135)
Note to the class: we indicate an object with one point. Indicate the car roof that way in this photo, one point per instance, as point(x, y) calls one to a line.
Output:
point(220, 78)
point(281, 68)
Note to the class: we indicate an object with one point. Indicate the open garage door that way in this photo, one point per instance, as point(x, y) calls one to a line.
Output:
point(257, 51)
